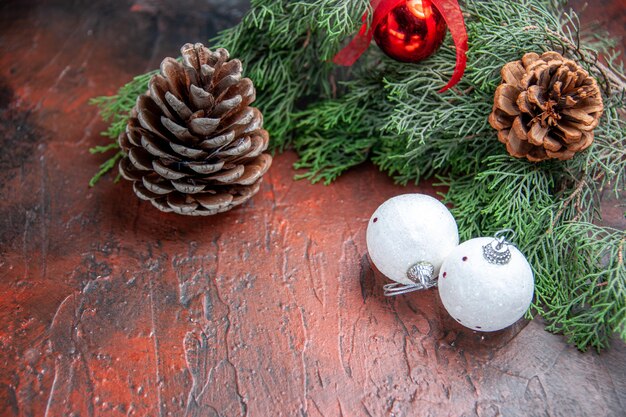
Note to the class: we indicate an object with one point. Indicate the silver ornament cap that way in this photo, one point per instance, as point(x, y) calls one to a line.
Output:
point(486, 284)
point(408, 237)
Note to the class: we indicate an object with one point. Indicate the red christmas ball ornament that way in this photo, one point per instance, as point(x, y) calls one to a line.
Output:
point(411, 31)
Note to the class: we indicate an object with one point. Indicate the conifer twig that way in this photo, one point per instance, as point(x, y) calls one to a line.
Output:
point(581, 184)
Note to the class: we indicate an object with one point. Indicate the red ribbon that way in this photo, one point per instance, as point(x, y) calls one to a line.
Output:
point(451, 13)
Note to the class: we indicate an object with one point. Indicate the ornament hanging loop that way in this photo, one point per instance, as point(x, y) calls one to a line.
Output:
point(504, 237)
point(396, 288)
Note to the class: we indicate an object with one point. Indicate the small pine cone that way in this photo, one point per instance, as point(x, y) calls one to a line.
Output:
point(546, 107)
point(193, 145)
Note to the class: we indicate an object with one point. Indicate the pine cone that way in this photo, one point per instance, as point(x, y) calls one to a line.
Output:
point(193, 145)
point(546, 107)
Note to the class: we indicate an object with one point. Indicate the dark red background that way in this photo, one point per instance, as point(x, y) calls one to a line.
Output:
point(111, 308)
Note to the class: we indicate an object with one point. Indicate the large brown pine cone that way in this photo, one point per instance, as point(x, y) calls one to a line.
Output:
point(546, 107)
point(193, 144)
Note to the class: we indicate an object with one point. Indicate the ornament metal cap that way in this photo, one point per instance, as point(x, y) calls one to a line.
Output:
point(497, 252)
point(421, 273)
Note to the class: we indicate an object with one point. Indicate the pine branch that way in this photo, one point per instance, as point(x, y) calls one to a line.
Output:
point(116, 110)
point(106, 166)
point(391, 114)
point(587, 310)
point(575, 195)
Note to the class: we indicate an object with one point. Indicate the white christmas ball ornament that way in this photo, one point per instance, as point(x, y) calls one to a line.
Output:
point(408, 234)
point(486, 286)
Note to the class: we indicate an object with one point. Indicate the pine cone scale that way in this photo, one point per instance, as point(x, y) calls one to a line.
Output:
point(178, 132)
point(200, 98)
point(193, 145)
point(154, 184)
point(178, 107)
point(506, 99)
point(140, 159)
point(175, 78)
point(546, 107)
point(165, 172)
point(500, 120)
point(579, 116)
point(152, 123)
point(158, 89)
point(214, 201)
point(205, 168)
point(537, 134)
point(186, 188)
point(514, 145)
point(143, 193)
point(551, 144)
point(157, 147)
point(569, 133)
point(584, 142)
point(218, 141)
point(255, 170)
point(128, 171)
point(535, 95)
point(203, 126)
point(512, 73)
point(523, 103)
point(187, 152)
point(518, 129)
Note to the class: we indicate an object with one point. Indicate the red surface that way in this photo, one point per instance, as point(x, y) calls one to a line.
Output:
point(111, 308)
